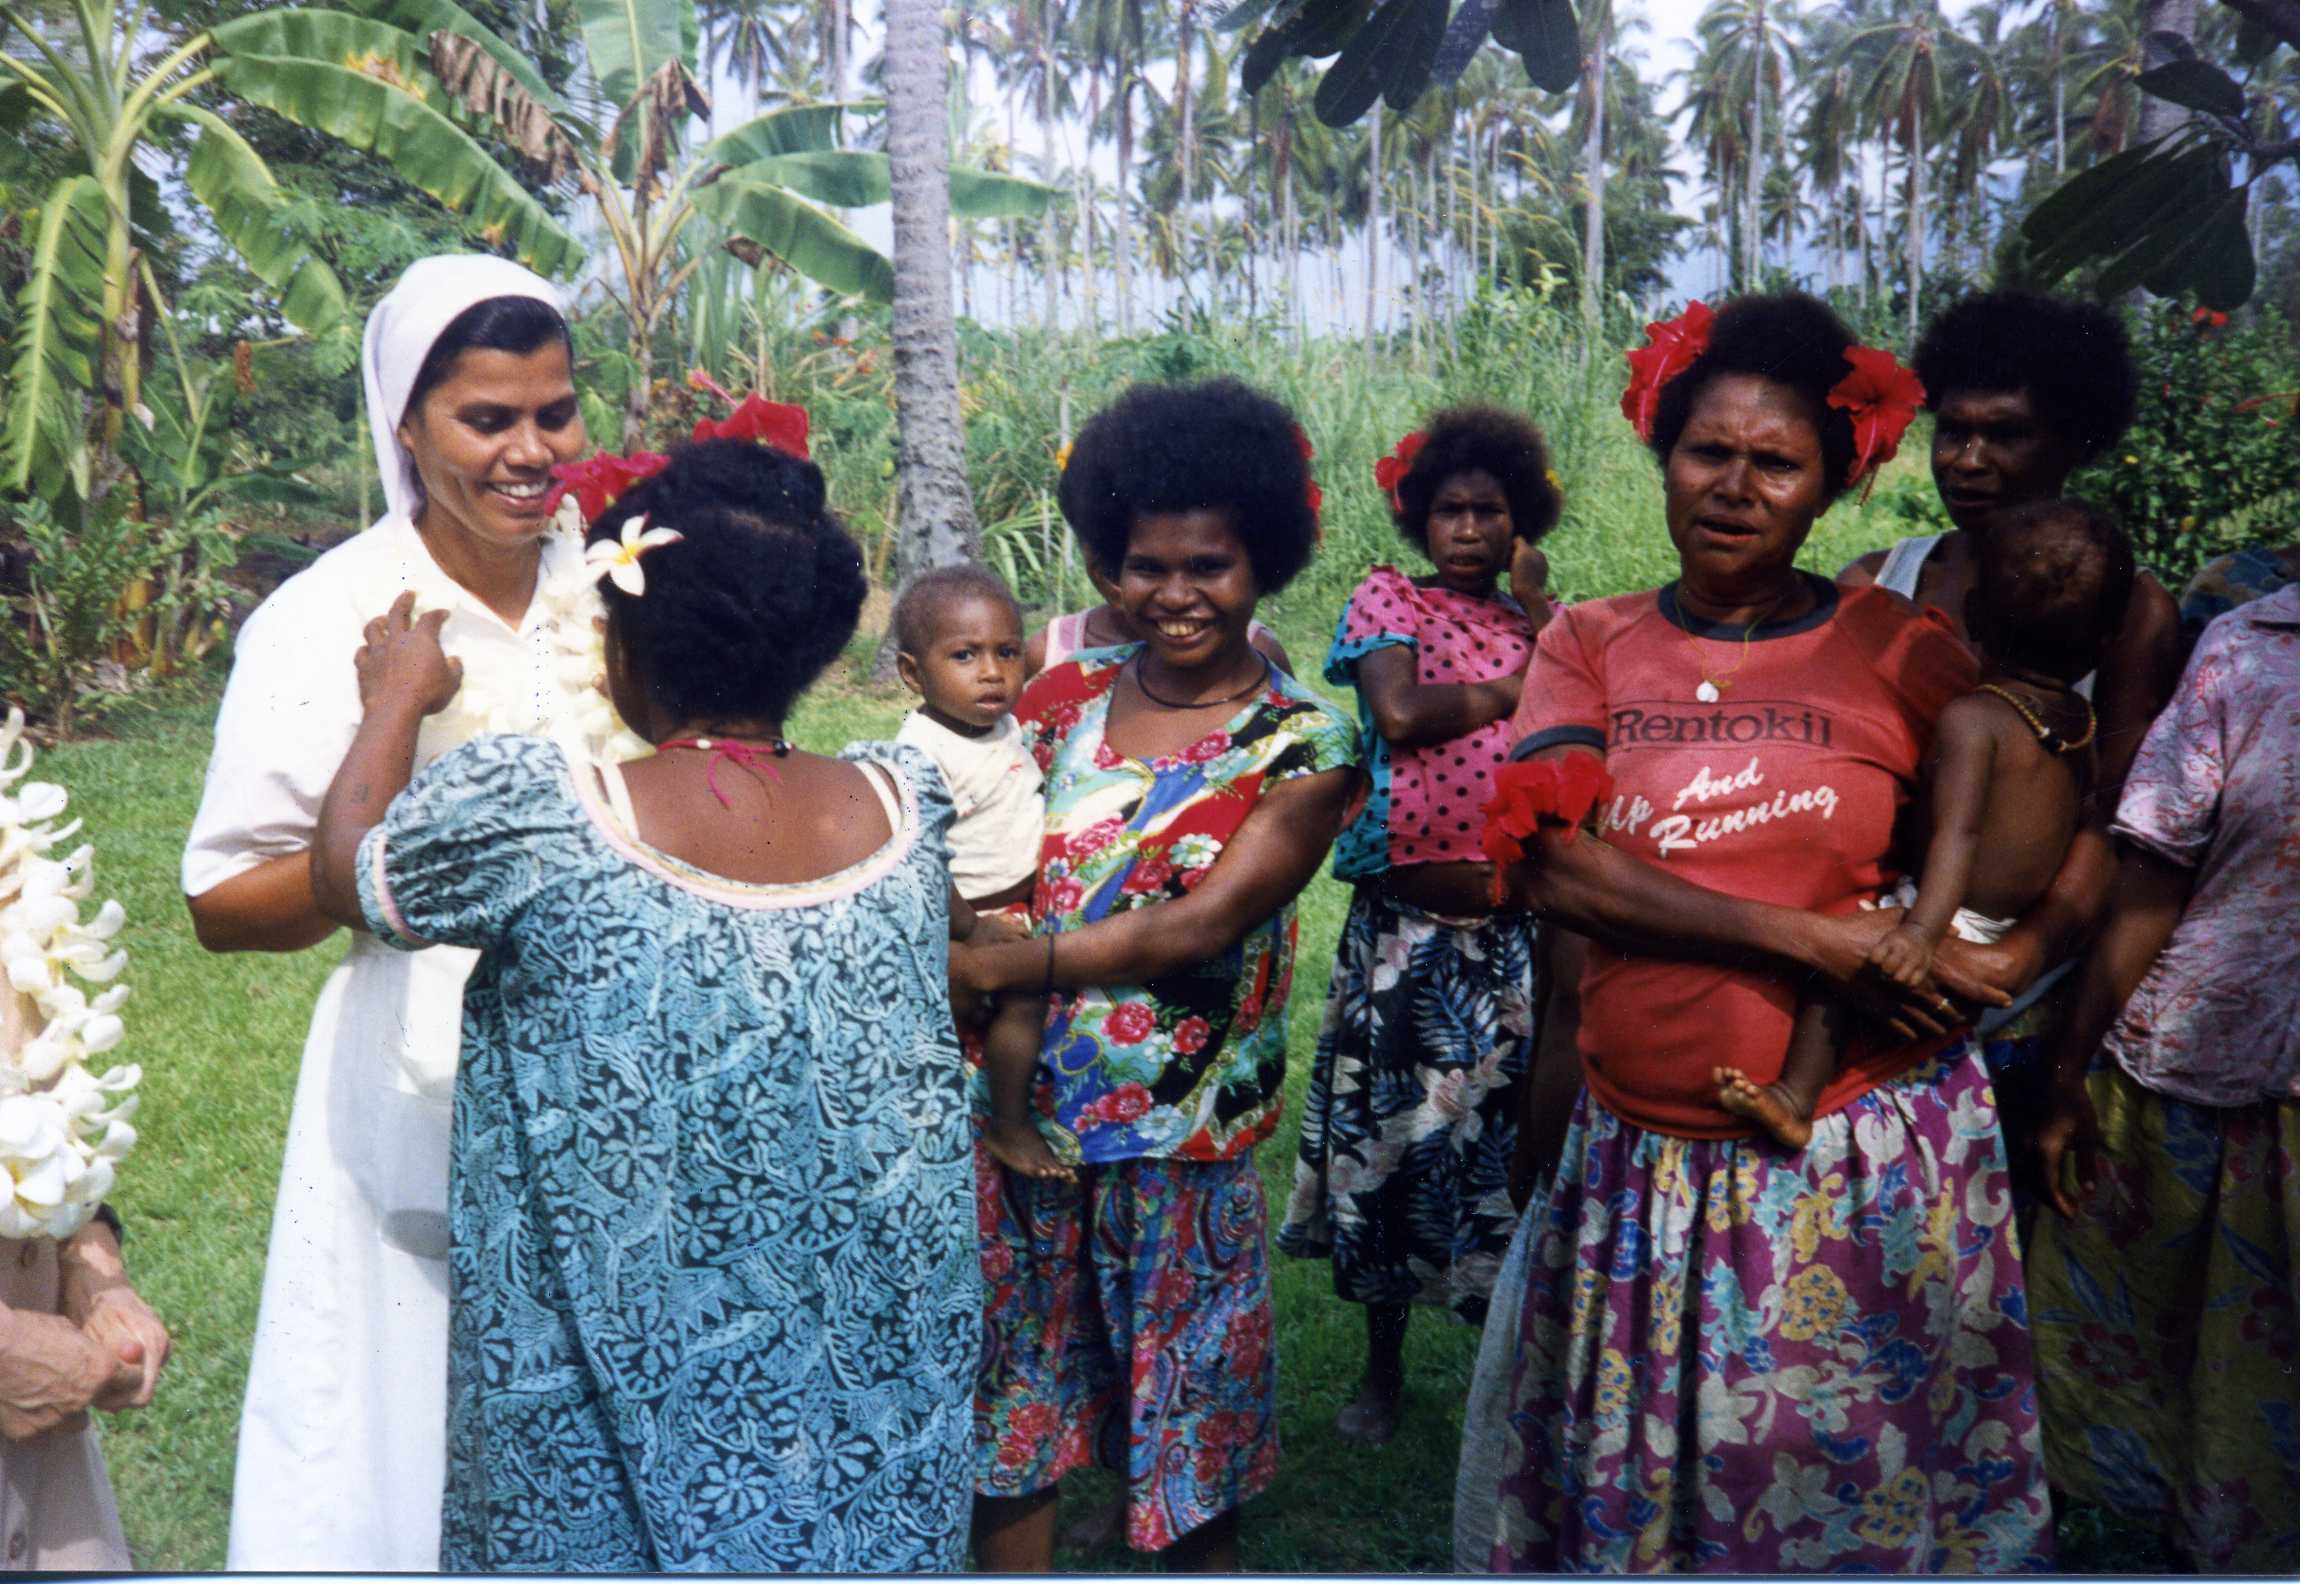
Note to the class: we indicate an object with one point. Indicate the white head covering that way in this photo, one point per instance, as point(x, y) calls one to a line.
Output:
point(400, 333)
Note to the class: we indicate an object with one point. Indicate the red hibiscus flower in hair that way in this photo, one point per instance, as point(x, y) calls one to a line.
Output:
point(597, 481)
point(1391, 471)
point(1883, 398)
point(1669, 350)
point(1129, 1023)
point(767, 423)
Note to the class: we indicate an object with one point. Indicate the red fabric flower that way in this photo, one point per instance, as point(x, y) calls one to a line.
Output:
point(1883, 398)
point(1129, 1023)
point(1207, 749)
point(1190, 1035)
point(1249, 1015)
point(597, 481)
point(1148, 874)
point(1062, 898)
point(1532, 794)
point(1669, 350)
point(1391, 471)
point(1315, 495)
point(775, 424)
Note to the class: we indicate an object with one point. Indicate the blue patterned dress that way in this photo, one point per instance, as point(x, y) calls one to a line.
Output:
point(715, 1294)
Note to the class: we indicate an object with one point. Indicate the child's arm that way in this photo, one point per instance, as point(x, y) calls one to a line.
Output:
point(1963, 760)
point(403, 676)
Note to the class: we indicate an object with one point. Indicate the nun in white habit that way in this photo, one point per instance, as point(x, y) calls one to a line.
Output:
point(470, 401)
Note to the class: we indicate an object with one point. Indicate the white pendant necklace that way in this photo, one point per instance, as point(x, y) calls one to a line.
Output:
point(1712, 688)
point(1707, 692)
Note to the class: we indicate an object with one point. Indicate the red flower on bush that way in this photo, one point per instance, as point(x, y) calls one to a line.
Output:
point(774, 424)
point(2209, 318)
point(1315, 495)
point(1129, 1023)
point(1530, 794)
point(1390, 471)
point(1669, 350)
point(597, 481)
point(1883, 398)
point(1190, 1035)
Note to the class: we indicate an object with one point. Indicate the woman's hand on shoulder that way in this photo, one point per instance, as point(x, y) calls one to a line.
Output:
point(401, 664)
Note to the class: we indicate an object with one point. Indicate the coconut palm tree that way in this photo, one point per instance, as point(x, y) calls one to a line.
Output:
point(1902, 62)
point(934, 508)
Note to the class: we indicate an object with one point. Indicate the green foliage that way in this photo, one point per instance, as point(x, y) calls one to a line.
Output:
point(2195, 459)
point(57, 335)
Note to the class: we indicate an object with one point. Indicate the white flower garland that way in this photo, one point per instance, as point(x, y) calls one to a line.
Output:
point(575, 707)
point(63, 1128)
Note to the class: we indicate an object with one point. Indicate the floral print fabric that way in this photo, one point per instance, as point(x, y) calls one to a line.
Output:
point(2216, 788)
point(714, 1287)
point(1425, 805)
point(1403, 1172)
point(1731, 1357)
point(1191, 1066)
point(1129, 1318)
point(2168, 1325)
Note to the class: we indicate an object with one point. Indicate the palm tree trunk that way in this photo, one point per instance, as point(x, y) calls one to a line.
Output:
point(1753, 222)
point(1493, 196)
point(1123, 237)
point(2177, 17)
point(1049, 269)
point(1916, 211)
point(1593, 178)
point(1185, 134)
point(2059, 98)
point(1093, 303)
point(934, 508)
point(1373, 223)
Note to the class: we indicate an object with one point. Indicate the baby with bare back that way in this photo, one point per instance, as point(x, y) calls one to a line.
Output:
point(2006, 781)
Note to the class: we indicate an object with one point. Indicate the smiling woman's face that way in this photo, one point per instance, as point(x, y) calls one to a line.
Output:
point(1743, 484)
point(1188, 587)
point(485, 438)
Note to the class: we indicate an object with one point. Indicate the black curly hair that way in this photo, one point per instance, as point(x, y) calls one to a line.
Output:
point(1496, 441)
point(762, 591)
point(2073, 358)
point(2054, 583)
point(1177, 448)
point(934, 591)
point(1790, 338)
point(498, 324)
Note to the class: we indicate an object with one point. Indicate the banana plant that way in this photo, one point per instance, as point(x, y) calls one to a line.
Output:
point(761, 191)
point(78, 320)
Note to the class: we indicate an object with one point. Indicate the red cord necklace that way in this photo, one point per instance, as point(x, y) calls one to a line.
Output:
point(759, 757)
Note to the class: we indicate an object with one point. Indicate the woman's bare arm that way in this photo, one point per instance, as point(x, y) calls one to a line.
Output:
point(269, 908)
point(2151, 893)
point(1275, 854)
point(2137, 677)
point(1410, 713)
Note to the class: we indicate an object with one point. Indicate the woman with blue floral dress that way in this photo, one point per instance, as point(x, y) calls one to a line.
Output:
point(714, 1297)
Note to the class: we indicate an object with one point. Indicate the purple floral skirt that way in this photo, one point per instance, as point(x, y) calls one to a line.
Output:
point(1736, 1357)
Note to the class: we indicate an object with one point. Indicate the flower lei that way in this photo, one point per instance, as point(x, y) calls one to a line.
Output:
point(1390, 471)
point(63, 1129)
point(574, 616)
point(1881, 396)
point(1532, 796)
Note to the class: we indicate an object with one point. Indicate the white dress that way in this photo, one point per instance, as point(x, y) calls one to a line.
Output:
point(343, 1439)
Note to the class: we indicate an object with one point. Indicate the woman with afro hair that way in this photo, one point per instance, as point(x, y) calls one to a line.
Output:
point(713, 1277)
point(1192, 791)
point(1410, 1122)
point(1732, 1354)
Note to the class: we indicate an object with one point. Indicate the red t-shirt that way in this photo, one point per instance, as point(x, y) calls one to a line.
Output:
point(1786, 790)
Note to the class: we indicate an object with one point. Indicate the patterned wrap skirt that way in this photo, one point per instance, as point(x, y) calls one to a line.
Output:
point(1741, 1358)
point(1411, 1117)
point(2168, 1325)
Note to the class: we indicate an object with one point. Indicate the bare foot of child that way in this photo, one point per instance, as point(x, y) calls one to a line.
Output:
point(1019, 1148)
point(1371, 1418)
point(1771, 1106)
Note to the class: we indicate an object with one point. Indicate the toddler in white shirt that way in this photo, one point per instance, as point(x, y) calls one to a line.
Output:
point(959, 647)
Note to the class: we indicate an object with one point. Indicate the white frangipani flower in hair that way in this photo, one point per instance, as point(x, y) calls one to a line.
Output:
point(618, 559)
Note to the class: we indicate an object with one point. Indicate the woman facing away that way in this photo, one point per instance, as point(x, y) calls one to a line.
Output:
point(1410, 1123)
point(714, 1284)
point(1192, 790)
point(1731, 1354)
point(471, 401)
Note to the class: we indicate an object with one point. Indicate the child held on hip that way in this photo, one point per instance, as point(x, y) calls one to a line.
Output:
point(2007, 781)
point(959, 647)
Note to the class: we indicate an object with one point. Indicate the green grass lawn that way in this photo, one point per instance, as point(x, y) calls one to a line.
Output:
point(219, 1039)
